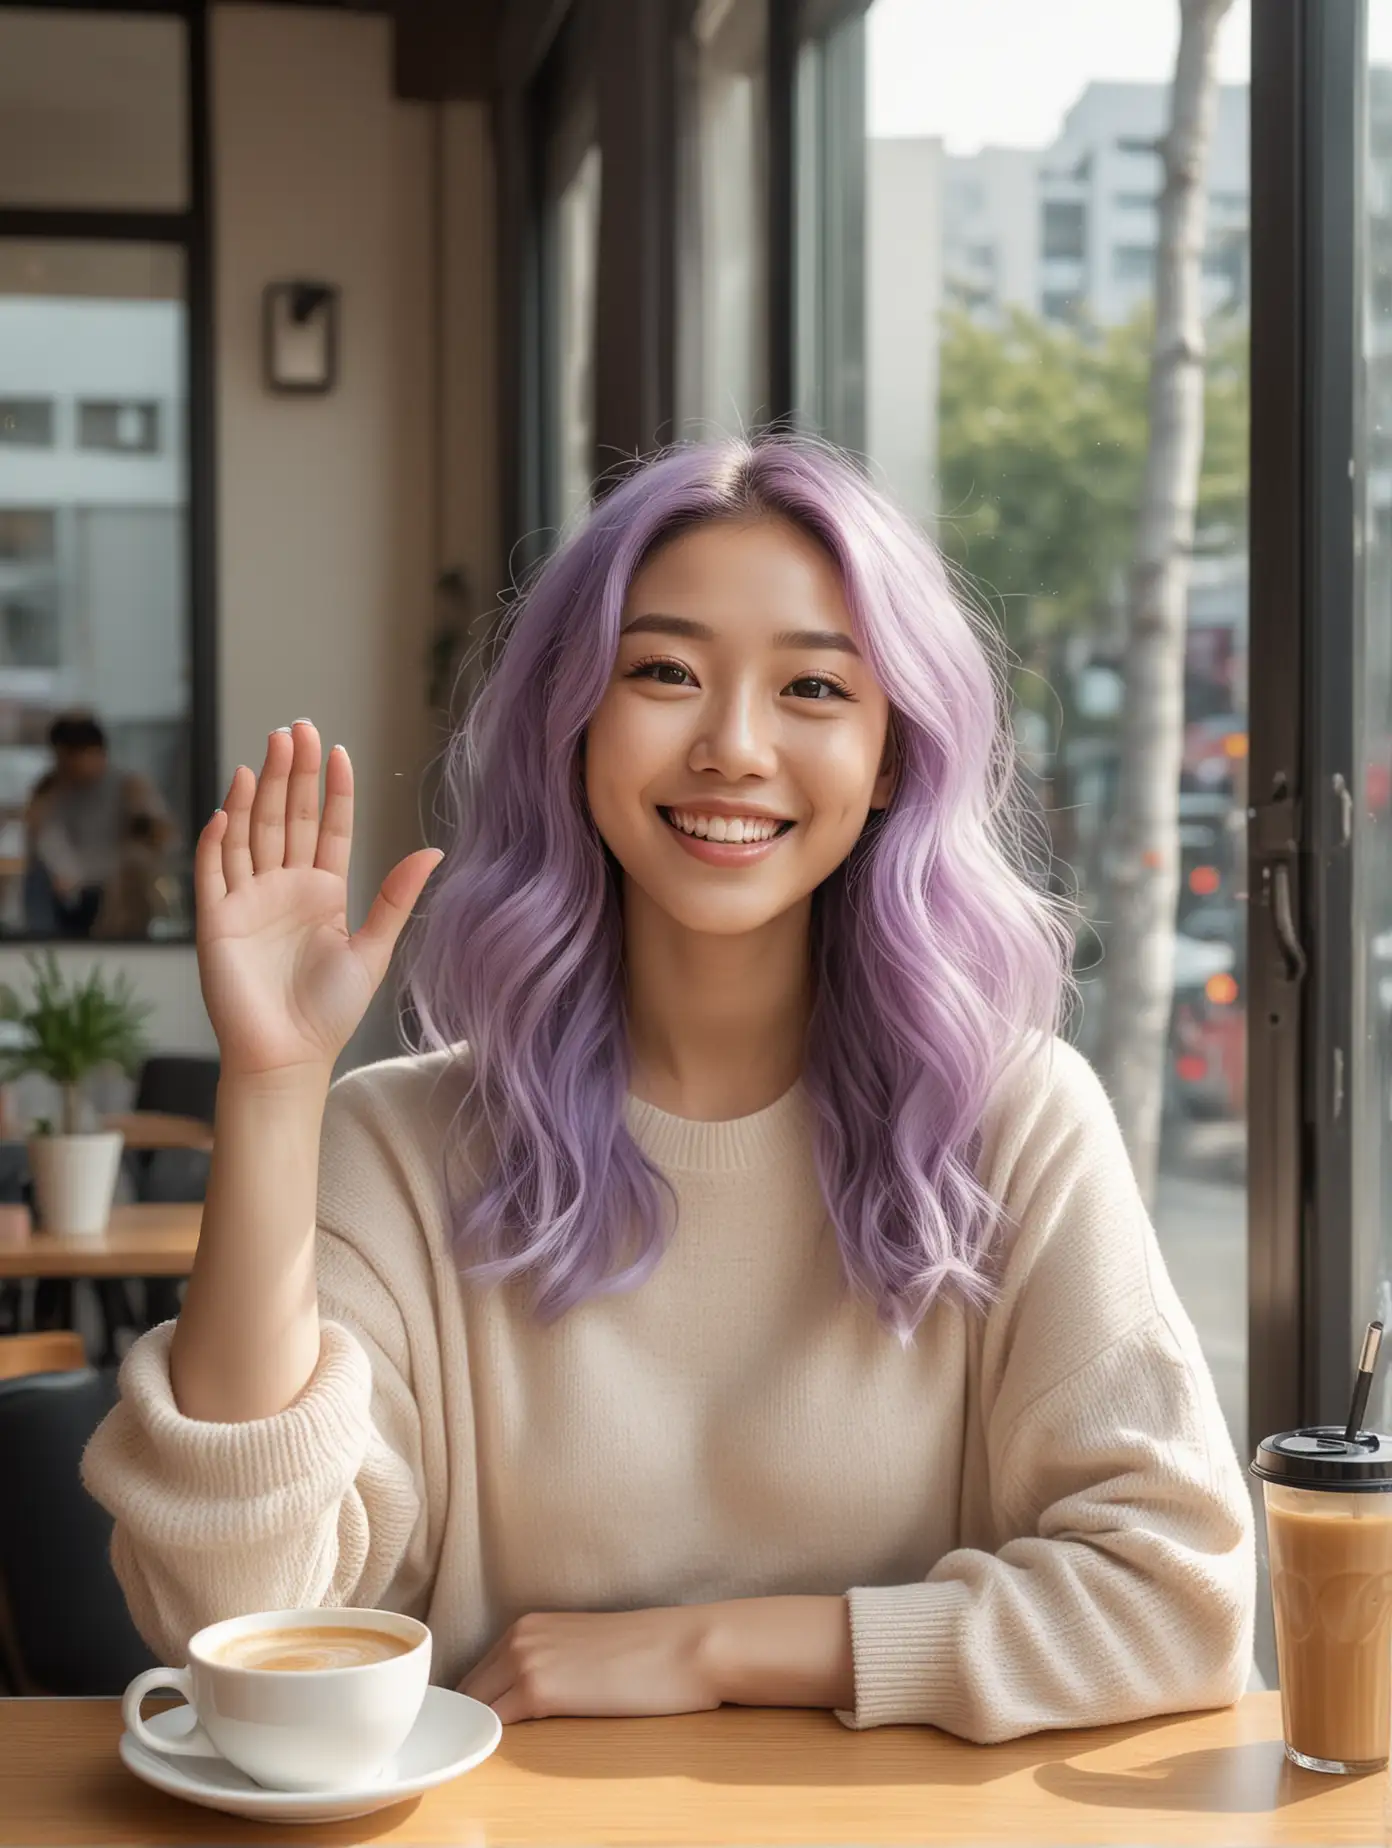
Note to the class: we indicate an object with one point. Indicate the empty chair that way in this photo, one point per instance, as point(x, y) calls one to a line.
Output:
point(67, 1631)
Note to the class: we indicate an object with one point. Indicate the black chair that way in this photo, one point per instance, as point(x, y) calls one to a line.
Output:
point(67, 1624)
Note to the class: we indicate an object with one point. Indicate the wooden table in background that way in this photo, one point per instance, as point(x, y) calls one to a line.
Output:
point(743, 1775)
point(156, 1240)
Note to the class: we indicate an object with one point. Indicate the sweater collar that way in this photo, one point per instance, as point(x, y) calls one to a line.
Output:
point(771, 1134)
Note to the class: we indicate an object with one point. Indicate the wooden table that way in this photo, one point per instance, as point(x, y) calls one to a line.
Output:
point(156, 1240)
point(744, 1775)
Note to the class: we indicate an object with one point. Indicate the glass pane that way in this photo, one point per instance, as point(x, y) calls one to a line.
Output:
point(577, 253)
point(94, 832)
point(978, 232)
point(92, 110)
point(1372, 1001)
point(723, 381)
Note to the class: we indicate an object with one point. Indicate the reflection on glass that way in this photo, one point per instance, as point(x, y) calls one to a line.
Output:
point(92, 109)
point(1372, 1000)
point(723, 369)
point(577, 253)
point(94, 675)
point(975, 288)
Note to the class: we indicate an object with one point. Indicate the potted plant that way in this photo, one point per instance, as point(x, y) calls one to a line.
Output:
point(66, 1033)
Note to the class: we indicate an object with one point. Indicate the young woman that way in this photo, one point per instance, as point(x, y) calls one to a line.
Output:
point(745, 1297)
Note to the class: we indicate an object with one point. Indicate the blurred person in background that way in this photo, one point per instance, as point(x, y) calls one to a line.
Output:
point(96, 840)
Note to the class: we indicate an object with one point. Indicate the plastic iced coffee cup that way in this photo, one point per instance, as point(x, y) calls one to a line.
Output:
point(1329, 1535)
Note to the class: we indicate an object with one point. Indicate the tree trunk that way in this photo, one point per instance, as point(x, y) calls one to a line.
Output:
point(1143, 882)
point(72, 1104)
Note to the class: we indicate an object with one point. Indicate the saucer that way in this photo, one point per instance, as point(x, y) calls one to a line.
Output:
point(452, 1734)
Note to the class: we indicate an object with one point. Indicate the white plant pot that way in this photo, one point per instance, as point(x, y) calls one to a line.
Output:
point(75, 1181)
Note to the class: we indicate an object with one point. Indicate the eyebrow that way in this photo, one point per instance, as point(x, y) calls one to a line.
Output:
point(687, 627)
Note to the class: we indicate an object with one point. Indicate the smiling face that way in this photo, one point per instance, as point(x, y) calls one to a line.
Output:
point(737, 692)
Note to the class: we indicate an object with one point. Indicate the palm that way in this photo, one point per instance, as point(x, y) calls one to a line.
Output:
point(284, 982)
point(280, 977)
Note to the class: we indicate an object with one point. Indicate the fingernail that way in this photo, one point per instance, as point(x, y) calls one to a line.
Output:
point(280, 728)
point(302, 721)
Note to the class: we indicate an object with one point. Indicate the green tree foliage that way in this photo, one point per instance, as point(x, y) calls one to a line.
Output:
point(1041, 447)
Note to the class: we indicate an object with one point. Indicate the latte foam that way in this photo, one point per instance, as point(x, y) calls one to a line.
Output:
point(329, 1646)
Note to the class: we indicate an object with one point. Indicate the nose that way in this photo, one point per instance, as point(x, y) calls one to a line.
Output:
point(735, 736)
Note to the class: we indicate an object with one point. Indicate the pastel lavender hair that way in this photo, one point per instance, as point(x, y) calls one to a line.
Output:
point(937, 962)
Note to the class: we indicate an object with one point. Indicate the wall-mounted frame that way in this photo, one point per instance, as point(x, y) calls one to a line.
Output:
point(300, 337)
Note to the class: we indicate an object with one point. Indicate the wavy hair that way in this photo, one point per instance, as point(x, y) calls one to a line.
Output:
point(937, 962)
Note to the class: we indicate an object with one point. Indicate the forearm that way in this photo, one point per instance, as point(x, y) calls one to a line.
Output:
point(247, 1339)
point(782, 1652)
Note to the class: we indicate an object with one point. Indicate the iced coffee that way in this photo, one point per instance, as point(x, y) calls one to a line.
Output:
point(1329, 1532)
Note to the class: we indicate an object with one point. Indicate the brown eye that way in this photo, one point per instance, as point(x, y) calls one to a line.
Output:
point(825, 683)
point(649, 670)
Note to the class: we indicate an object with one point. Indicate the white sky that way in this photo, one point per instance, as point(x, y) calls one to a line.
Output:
point(1004, 72)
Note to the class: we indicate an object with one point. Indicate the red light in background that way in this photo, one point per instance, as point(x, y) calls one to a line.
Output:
point(1191, 1068)
point(1204, 881)
point(1221, 990)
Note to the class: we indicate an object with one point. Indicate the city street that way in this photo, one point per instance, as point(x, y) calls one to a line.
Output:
point(1201, 1221)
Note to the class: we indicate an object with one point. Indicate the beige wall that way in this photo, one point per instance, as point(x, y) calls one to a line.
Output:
point(328, 508)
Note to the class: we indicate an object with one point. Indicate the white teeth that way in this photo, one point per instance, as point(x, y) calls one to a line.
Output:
point(722, 828)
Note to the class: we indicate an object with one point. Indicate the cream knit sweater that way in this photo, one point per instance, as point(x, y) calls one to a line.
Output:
point(1036, 1515)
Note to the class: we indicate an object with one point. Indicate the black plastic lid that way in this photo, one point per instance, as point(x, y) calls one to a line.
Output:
point(1321, 1457)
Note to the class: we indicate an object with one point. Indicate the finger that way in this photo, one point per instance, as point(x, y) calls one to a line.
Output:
point(512, 1705)
point(336, 823)
point(209, 881)
point(237, 869)
point(376, 938)
point(268, 804)
point(492, 1677)
point(302, 796)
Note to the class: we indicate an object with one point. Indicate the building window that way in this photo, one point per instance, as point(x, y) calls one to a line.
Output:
point(1136, 202)
point(27, 423)
point(26, 535)
point(1133, 262)
point(129, 428)
point(1065, 229)
point(1137, 144)
point(1060, 305)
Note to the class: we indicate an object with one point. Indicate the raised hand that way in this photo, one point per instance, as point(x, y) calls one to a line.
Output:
point(284, 981)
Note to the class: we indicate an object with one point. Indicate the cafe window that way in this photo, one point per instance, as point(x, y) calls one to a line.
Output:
point(1007, 417)
point(105, 563)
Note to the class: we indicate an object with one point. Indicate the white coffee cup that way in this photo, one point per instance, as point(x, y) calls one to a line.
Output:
point(293, 1728)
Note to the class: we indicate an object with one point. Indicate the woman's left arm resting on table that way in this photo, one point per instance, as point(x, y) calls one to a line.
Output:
point(1118, 1577)
point(1128, 1591)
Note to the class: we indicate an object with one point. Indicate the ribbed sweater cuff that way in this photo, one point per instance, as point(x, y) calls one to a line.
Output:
point(218, 1484)
point(904, 1641)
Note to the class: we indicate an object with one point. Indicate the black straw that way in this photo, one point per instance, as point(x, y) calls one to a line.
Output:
point(1366, 1362)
